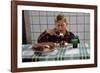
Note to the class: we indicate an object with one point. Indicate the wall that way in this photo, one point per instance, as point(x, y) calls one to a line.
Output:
point(39, 21)
point(5, 32)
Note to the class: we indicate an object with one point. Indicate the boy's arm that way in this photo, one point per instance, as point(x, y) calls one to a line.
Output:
point(43, 37)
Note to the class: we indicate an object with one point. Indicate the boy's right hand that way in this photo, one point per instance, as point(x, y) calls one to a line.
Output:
point(51, 32)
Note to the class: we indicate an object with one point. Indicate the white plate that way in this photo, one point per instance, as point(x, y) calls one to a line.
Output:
point(28, 53)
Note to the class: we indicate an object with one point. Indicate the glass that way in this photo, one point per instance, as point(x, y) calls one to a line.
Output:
point(75, 41)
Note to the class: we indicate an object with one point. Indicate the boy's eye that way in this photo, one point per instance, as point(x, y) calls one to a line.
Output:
point(59, 25)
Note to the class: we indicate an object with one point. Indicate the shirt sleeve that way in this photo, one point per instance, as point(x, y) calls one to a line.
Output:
point(70, 37)
point(43, 37)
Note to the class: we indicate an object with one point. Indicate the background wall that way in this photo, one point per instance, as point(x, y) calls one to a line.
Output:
point(5, 41)
point(39, 21)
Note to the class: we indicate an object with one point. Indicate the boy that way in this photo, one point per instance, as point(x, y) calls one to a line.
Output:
point(59, 34)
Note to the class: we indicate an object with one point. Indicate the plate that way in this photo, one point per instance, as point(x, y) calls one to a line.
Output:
point(28, 53)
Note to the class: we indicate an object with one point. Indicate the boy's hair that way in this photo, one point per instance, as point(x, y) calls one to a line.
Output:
point(60, 17)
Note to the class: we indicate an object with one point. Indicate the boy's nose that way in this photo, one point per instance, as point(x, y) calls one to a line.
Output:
point(60, 27)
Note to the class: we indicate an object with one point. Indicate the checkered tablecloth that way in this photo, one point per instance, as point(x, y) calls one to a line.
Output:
point(60, 53)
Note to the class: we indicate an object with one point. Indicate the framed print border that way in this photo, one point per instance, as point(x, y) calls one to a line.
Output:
point(14, 35)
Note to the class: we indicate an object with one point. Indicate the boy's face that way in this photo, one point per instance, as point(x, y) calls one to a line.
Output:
point(61, 26)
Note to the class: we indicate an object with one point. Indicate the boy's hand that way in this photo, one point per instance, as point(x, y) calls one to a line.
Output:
point(51, 32)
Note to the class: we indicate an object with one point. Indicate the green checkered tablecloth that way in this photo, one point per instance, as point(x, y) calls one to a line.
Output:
point(60, 53)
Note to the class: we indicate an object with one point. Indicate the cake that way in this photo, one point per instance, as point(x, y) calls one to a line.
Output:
point(43, 46)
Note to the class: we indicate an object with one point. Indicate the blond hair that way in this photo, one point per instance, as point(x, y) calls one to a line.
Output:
point(60, 17)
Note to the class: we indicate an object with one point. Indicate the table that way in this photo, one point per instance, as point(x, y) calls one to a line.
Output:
point(60, 53)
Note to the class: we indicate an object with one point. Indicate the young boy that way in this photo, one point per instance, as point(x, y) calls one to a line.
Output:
point(59, 34)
